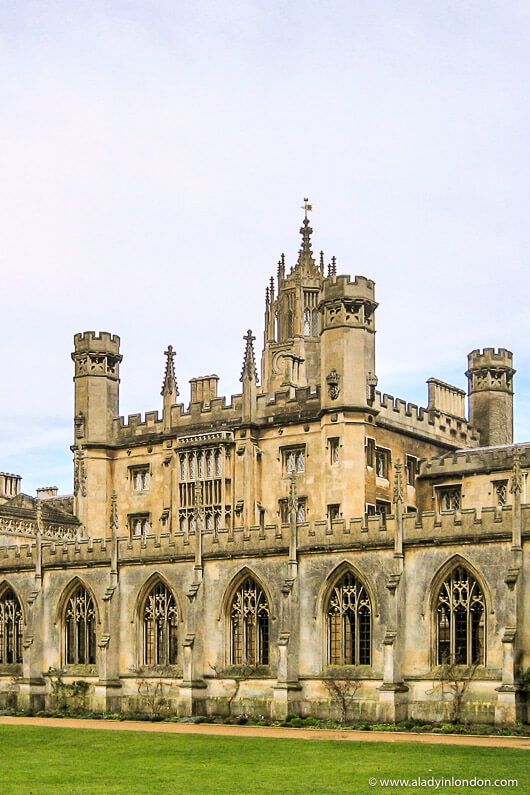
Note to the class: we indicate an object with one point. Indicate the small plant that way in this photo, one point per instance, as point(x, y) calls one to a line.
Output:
point(453, 684)
point(155, 695)
point(342, 693)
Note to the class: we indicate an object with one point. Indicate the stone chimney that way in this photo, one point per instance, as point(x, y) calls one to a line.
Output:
point(204, 388)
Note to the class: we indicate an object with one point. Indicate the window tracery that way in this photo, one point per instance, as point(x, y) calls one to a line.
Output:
point(160, 627)
point(349, 616)
point(11, 629)
point(249, 625)
point(460, 620)
point(80, 628)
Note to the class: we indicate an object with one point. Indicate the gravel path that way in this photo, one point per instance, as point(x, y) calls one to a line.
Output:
point(270, 731)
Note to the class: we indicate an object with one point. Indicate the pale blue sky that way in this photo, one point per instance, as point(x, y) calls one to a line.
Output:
point(154, 156)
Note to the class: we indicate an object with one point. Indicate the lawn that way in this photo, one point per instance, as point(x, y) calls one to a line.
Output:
point(42, 761)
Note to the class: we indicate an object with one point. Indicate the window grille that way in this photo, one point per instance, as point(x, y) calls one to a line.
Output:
point(349, 614)
point(80, 629)
point(501, 492)
point(205, 466)
point(160, 627)
point(249, 620)
point(460, 620)
point(11, 629)
point(450, 499)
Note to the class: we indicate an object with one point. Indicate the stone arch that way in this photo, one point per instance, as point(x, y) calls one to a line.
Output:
point(431, 602)
point(244, 629)
point(70, 588)
point(6, 585)
point(321, 607)
point(170, 643)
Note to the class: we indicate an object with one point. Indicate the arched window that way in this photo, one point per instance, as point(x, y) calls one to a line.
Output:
point(10, 628)
point(307, 322)
point(160, 627)
point(249, 624)
point(349, 615)
point(460, 620)
point(80, 628)
point(314, 323)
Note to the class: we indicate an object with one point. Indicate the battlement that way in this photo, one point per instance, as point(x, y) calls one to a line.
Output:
point(479, 459)
point(490, 357)
point(357, 533)
point(97, 342)
point(360, 288)
point(435, 423)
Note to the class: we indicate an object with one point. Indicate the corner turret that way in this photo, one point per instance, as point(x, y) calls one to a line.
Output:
point(347, 316)
point(490, 380)
point(97, 360)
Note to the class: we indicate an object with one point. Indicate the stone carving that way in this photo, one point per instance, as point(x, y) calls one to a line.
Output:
point(333, 382)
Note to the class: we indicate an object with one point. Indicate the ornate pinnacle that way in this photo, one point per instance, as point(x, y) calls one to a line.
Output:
point(249, 371)
point(322, 262)
point(398, 485)
point(114, 512)
point(333, 266)
point(516, 484)
point(169, 385)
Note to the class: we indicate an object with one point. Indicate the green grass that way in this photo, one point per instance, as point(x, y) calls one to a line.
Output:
point(42, 761)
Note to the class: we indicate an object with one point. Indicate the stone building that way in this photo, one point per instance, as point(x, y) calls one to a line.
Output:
point(248, 555)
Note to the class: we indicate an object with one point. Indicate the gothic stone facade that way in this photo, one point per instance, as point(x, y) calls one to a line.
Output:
point(311, 531)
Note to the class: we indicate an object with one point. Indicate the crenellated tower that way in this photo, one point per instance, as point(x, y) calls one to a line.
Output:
point(490, 380)
point(96, 358)
point(347, 341)
point(291, 355)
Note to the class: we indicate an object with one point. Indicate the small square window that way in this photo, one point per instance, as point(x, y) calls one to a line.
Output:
point(140, 478)
point(500, 490)
point(333, 512)
point(139, 525)
point(382, 509)
point(301, 510)
point(293, 460)
point(449, 498)
point(382, 462)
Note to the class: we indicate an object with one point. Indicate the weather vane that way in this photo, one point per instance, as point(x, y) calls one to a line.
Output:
point(307, 207)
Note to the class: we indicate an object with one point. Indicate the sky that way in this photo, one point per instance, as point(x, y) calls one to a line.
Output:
point(155, 156)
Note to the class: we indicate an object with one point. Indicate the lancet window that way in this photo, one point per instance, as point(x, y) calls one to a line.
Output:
point(210, 467)
point(460, 620)
point(349, 617)
point(11, 629)
point(249, 625)
point(160, 627)
point(80, 629)
point(310, 313)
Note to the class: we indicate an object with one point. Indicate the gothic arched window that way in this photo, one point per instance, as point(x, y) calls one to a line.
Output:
point(249, 625)
point(80, 628)
point(349, 615)
point(307, 322)
point(11, 628)
point(290, 324)
point(160, 627)
point(460, 620)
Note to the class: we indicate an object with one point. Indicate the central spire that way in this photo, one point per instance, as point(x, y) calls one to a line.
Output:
point(305, 255)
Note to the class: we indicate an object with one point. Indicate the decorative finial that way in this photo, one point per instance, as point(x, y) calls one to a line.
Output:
point(307, 207)
point(114, 512)
point(329, 269)
point(249, 370)
point(322, 262)
point(169, 385)
point(516, 484)
point(334, 266)
point(398, 485)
